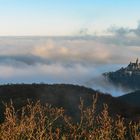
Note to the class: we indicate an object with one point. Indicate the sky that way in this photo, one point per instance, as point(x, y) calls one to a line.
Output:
point(65, 17)
point(68, 41)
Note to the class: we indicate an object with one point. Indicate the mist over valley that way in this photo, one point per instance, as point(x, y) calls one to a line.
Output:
point(72, 59)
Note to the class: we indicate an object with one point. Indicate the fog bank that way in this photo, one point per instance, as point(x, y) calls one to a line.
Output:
point(74, 60)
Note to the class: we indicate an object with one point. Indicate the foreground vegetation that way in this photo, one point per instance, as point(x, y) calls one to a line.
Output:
point(38, 122)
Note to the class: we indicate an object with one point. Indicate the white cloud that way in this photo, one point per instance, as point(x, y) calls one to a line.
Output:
point(65, 59)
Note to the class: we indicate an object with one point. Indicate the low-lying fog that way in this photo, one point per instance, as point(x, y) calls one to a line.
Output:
point(77, 60)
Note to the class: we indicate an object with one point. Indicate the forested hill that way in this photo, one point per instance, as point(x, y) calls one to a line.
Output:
point(62, 95)
point(132, 98)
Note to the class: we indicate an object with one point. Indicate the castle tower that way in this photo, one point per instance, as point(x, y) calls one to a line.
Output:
point(137, 61)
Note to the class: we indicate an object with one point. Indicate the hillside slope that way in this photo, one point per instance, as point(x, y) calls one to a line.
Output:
point(132, 98)
point(61, 95)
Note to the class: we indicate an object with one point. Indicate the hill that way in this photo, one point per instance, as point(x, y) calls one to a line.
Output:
point(132, 98)
point(62, 95)
point(128, 77)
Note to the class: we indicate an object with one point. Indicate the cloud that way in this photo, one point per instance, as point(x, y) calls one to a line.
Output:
point(20, 60)
point(75, 59)
point(124, 36)
point(66, 51)
point(83, 32)
point(54, 73)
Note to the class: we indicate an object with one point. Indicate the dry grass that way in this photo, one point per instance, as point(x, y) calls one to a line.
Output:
point(37, 122)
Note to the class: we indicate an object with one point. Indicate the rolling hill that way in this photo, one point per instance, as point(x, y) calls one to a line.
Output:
point(66, 96)
point(132, 98)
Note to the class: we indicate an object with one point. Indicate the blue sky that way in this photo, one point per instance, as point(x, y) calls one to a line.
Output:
point(65, 17)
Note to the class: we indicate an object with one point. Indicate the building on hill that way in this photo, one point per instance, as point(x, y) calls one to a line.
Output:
point(129, 76)
point(134, 66)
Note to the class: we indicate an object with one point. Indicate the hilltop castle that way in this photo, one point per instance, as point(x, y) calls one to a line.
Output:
point(133, 68)
point(128, 76)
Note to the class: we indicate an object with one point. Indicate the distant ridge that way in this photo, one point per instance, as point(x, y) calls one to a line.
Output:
point(62, 95)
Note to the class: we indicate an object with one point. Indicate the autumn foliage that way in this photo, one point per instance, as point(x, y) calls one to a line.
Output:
point(38, 122)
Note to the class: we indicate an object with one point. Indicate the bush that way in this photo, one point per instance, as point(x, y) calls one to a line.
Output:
point(37, 122)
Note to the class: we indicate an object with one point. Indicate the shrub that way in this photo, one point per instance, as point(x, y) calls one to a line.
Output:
point(37, 122)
